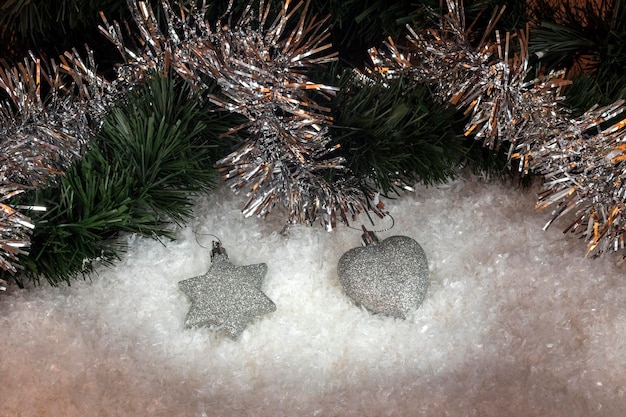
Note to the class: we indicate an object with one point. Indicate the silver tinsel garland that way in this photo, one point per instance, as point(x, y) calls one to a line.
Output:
point(584, 177)
point(488, 81)
point(286, 159)
point(41, 133)
point(580, 158)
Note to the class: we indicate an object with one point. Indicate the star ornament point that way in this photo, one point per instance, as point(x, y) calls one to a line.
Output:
point(227, 297)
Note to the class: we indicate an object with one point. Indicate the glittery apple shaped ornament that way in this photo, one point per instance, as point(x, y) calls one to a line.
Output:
point(388, 277)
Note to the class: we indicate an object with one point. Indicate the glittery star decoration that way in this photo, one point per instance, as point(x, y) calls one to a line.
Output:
point(226, 297)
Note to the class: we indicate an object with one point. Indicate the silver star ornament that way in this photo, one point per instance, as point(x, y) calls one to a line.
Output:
point(226, 297)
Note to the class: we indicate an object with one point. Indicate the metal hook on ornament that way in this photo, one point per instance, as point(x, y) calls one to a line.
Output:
point(369, 236)
point(217, 248)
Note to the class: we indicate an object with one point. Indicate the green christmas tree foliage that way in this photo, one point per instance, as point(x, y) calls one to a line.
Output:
point(396, 135)
point(589, 39)
point(154, 152)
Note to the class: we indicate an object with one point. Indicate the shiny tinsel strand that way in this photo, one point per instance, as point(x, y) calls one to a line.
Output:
point(581, 158)
point(584, 177)
point(488, 80)
point(261, 68)
point(41, 133)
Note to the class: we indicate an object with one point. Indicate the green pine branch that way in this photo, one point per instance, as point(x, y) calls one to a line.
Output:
point(395, 133)
point(602, 87)
point(590, 40)
point(595, 28)
point(87, 209)
point(159, 143)
point(154, 152)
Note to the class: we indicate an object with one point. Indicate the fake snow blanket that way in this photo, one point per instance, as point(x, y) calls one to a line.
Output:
point(516, 322)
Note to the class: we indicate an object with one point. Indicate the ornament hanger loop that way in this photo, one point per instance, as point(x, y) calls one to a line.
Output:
point(217, 248)
point(369, 236)
point(362, 228)
point(205, 234)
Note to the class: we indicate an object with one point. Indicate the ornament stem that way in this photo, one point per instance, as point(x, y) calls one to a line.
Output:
point(368, 237)
point(218, 249)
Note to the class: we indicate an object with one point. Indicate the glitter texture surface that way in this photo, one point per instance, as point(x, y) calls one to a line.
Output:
point(390, 277)
point(227, 297)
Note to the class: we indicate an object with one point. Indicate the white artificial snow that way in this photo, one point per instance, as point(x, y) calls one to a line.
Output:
point(516, 323)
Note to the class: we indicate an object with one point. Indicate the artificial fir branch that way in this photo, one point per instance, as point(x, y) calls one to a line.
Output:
point(154, 152)
point(359, 24)
point(34, 18)
point(601, 87)
point(574, 31)
point(589, 38)
point(52, 27)
point(395, 133)
point(91, 204)
point(165, 144)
